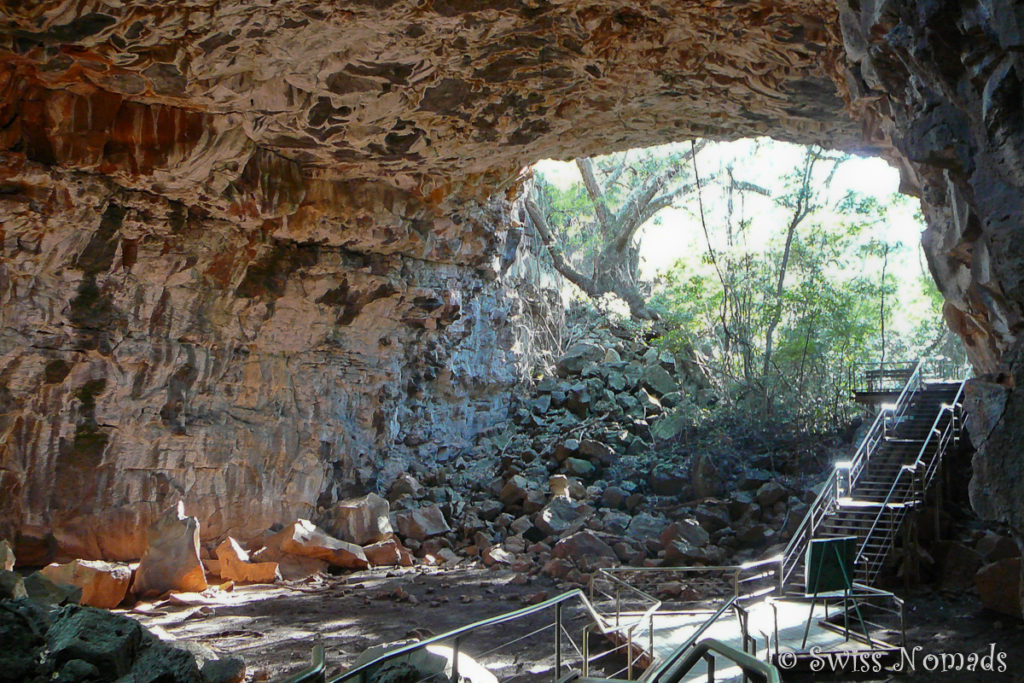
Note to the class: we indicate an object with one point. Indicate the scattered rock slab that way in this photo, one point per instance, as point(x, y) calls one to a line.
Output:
point(171, 560)
point(586, 551)
point(362, 520)
point(388, 553)
point(421, 523)
point(305, 539)
point(235, 565)
point(559, 516)
point(103, 584)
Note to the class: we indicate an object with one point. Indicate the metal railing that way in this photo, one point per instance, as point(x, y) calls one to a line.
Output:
point(910, 486)
point(881, 377)
point(828, 499)
point(874, 607)
point(455, 638)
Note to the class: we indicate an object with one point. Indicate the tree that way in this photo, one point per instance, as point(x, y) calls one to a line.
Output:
point(621, 194)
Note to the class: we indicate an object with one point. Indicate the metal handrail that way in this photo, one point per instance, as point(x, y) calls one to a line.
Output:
point(930, 468)
point(827, 498)
point(656, 676)
point(747, 663)
point(316, 672)
point(459, 632)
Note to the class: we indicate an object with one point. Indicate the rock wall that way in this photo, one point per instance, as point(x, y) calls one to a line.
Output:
point(148, 352)
point(942, 80)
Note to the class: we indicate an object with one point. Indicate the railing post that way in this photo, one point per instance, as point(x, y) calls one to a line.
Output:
point(558, 641)
point(585, 666)
point(710, 659)
point(455, 660)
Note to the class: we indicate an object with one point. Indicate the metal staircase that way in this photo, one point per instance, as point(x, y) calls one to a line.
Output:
point(889, 476)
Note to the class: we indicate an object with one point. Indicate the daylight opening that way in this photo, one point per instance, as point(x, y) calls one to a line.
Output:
point(780, 272)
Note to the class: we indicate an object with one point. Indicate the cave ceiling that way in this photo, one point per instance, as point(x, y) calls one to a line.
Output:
point(259, 109)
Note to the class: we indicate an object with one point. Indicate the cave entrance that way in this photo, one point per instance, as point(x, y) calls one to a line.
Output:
point(782, 270)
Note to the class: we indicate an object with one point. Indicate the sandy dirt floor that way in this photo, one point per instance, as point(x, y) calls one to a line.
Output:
point(273, 628)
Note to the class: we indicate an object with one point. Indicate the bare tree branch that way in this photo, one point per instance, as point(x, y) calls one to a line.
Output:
point(554, 249)
point(604, 216)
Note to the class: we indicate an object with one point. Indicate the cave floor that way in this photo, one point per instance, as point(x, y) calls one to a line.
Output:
point(274, 627)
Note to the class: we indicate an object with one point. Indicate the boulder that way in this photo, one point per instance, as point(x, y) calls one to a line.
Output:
point(669, 426)
point(586, 551)
point(998, 586)
point(715, 517)
point(515, 490)
point(103, 584)
point(6, 556)
point(597, 451)
point(957, 564)
point(704, 474)
point(305, 539)
point(613, 497)
point(580, 468)
point(12, 586)
point(43, 590)
point(644, 526)
point(688, 530)
point(361, 520)
point(404, 485)
point(658, 380)
point(665, 481)
point(84, 640)
point(994, 547)
point(235, 565)
point(682, 553)
point(577, 356)
point(559, 486)
point(559, 516)
point(770, 493)
point(171, 560)
point(388, 553)
point(223, 670)
point(421, 523)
